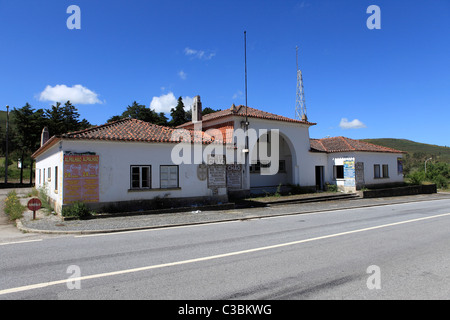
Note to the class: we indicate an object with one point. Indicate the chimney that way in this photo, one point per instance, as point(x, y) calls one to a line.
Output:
point(44, 136)
point(196, 109)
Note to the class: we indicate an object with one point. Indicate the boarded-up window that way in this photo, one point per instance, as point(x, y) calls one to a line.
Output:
point(385, 171)
point(169, 177)
point(376, 171)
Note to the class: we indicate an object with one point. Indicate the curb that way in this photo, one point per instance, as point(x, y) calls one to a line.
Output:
point(22, 228)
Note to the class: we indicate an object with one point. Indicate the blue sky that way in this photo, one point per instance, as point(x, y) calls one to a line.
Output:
point(392, 82)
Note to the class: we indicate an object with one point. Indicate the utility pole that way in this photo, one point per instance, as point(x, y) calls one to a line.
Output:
point(426, 164)
point(6, 146)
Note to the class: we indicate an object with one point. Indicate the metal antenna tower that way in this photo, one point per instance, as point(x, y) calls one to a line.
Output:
point(300, 105)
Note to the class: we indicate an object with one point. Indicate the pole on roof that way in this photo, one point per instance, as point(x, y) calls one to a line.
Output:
point(245, 57)
point(246, 150)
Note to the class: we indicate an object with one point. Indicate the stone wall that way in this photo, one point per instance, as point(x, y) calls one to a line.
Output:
point(400, 191)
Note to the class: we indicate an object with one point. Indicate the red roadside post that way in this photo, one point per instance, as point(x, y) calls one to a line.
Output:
point(34, 204)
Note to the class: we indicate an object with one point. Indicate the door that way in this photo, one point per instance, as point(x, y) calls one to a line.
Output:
point(320, 185)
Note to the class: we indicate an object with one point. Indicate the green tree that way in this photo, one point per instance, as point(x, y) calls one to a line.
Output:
point(178, 114)
point(63, 119)
point(55, 119)
point(141, 112)
point(162, 119)
point(114, 118)
point(208, 110)
point(28, 123)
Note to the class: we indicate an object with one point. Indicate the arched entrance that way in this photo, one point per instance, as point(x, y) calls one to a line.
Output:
point(261, 178)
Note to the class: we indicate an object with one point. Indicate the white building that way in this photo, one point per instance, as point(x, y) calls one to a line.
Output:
point(132, 163)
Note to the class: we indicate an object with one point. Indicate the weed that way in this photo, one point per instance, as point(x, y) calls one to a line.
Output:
point(13, 208)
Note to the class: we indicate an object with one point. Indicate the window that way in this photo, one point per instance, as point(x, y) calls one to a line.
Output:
point(338, 172)
point(376, 171)
point(256, 167)
point(385, 171)
point(39, 176)
point(399, 166)
point(49, 172)
point(140, 177)
point(168, 177)
point(56, 178)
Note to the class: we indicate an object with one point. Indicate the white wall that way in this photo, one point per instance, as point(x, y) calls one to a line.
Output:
point(115, 159)
point(51, 159)
point(371, 158)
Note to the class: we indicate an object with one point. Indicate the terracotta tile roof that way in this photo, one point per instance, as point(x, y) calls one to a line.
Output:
point(134, 130)
point(343, 144)
point(251, 113)
point(124, 130)
point(131, 130)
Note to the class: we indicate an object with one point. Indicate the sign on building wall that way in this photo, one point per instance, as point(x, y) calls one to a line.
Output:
point(81, 178)
point(359, 171)
point(349, 173)
point(234, 176)
point(217, 176)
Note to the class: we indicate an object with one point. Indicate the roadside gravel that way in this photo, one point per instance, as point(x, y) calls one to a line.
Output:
point(49, 223)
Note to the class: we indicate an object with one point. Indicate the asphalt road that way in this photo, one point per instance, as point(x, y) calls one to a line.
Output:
point(399, 251)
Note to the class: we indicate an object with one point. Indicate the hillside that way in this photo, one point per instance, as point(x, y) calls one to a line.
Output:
point(415, 149)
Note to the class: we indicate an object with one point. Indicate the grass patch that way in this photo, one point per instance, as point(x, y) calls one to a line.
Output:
point(13, 208)
point(76, 210)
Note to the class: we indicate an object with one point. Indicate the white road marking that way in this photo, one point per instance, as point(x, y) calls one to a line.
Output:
point(170, 264)
point(18, 242)
point(276, 216)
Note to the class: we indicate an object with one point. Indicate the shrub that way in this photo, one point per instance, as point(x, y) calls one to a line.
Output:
point(416, 177)
point(76, 210)
point(331, 187)
point(13, 208)
point(440, 182)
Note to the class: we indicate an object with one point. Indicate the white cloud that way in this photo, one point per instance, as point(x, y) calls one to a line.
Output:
point(187, 101)
point(302, 5)
point(238, 94)
point(182, 75)
point(354, 124)
point(168, 101)
point(199, 54)
point(76, 94)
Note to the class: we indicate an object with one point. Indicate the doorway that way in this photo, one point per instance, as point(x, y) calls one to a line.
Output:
point(320, 185)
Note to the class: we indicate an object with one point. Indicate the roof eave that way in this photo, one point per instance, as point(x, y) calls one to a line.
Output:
point(50, 143)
